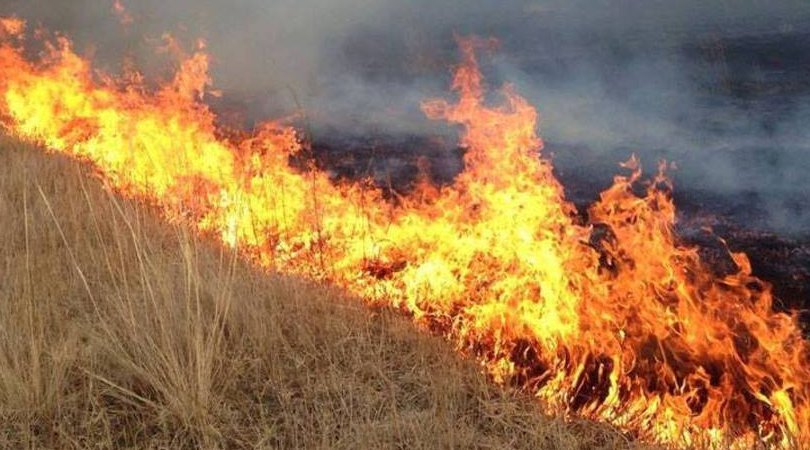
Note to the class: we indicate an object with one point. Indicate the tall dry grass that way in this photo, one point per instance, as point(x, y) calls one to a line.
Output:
point(120, 331)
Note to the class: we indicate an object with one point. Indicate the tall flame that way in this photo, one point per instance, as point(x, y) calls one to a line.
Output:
point(613, 319)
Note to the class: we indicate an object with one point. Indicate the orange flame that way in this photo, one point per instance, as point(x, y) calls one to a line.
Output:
point(613, 320)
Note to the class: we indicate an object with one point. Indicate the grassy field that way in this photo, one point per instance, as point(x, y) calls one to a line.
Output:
point(118, 330)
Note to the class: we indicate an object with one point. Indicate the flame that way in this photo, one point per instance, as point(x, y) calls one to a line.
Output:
point(612, 319)
point(122, 13)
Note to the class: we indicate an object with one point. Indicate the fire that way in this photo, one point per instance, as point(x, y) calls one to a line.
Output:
point(612, 319)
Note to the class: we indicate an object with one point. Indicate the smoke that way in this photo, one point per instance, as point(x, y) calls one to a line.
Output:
point(722, 87)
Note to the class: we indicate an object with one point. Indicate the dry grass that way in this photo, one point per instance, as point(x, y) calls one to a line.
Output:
point(119, 331)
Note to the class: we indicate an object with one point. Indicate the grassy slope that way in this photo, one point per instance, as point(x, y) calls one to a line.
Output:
point(117, 330)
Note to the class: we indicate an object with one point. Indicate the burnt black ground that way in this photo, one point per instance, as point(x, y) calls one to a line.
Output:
point(781, 259)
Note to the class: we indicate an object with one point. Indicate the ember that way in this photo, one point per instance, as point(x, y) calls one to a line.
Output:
point(614, 319)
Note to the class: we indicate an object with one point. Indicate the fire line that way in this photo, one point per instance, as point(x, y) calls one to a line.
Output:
point(612, 320)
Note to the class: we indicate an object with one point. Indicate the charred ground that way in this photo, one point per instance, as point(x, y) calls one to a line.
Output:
point(738, 218)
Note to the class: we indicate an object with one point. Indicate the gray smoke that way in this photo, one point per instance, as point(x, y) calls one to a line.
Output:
point(720, 86)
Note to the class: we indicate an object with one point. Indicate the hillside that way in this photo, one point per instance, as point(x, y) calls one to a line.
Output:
point(118, 330)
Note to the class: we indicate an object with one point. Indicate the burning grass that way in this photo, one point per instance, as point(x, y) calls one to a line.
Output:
point(609, 316)
point(119, 331)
